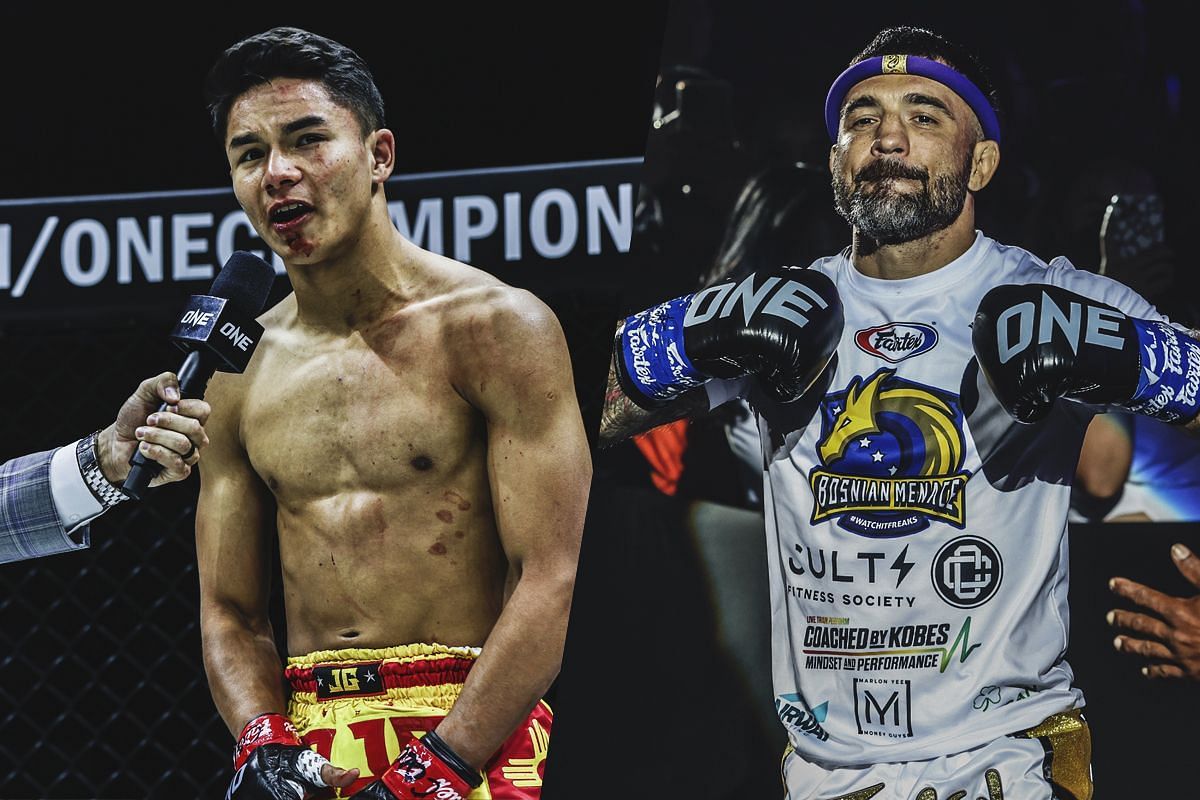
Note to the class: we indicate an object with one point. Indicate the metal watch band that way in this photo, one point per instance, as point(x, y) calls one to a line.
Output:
point(105, 493)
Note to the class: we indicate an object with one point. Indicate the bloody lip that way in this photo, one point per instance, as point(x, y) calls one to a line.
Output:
point(292, 225)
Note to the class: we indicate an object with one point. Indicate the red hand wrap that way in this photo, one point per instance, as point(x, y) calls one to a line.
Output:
point(418, 773)
point(264, 729)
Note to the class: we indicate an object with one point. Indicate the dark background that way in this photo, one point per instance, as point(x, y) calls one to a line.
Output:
point(102, 691)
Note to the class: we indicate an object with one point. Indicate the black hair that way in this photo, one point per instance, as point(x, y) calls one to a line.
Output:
point(293, 53)
point(912, 41)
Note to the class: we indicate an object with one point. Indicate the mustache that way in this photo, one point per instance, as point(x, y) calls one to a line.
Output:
point(882, 170)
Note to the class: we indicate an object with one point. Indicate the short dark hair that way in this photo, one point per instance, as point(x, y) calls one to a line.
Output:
point(293, 53)
point(912, 41)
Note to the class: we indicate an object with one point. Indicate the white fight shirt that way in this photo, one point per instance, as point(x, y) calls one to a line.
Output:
point(917, 546)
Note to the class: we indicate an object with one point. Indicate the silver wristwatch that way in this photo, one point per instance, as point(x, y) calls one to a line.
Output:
point(107, 494)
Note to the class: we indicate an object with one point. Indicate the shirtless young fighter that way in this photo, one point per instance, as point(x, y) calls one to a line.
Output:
point(427, 484)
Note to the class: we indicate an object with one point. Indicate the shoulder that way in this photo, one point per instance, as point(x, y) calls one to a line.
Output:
point(504, 346)
point(1061, 272)
point(499, 320)
point(1018, 265)
point(1008, 263)
point(834, 265)
point(474, 303)
point(485, 324)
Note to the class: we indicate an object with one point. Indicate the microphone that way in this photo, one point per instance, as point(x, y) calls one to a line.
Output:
point(218, 331)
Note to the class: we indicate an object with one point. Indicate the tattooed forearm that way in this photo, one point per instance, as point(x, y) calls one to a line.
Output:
point(622, 418)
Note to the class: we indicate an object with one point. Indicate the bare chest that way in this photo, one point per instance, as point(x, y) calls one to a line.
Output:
point(358, 418)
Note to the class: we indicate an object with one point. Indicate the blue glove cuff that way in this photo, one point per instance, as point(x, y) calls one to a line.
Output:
point(652, 351)
point(1169, 379)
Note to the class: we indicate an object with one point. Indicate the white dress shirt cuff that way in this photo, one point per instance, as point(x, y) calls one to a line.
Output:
point(73, 500)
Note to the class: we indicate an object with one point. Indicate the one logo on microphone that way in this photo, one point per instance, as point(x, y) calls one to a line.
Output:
point(234, 334)
point(896, 341)
point(891, 456)
point(197, 317)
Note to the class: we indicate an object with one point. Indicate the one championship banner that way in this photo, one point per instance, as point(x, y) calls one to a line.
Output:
point(546, 227)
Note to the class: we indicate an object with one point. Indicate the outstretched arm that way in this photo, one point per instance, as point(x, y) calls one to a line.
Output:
point(1145, 366)
point(779, 326)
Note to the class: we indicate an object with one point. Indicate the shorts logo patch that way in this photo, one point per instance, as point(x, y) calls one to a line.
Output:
point(348, 680)
point(896, 341)
point(527, 771)
point(967, 571)
point(883, 707)
point(891, 454)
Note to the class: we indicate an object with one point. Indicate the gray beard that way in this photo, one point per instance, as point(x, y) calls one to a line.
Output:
point(890, 217)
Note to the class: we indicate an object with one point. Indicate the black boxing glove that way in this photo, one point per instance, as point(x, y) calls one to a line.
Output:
point(427, 769)
point(1036, 343)
point(781, 326)
point(271, 763)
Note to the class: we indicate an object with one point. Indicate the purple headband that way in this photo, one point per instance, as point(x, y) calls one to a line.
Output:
point(910, 65)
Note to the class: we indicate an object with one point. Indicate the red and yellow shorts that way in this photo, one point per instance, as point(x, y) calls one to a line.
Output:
point(357, 706)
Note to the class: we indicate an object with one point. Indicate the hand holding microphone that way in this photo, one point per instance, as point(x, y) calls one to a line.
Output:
point(218, 331)
point(168, 428)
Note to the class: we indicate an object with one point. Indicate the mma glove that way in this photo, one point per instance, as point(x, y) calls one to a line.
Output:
point(1036, 343)
point(271, 763)
point(781, 326)
point(426, 768)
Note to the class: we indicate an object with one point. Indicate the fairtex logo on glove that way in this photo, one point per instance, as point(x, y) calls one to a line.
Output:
point(896, 341)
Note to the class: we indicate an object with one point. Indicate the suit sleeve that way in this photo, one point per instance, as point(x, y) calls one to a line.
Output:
point(29, 524)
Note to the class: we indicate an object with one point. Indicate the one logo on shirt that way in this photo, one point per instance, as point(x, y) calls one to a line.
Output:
point(891, 455)
point(883, 707)
point(967, 571)
point(795, 714)
point(897, 341)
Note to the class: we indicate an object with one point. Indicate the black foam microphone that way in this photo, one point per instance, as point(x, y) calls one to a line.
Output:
point(218, 331)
